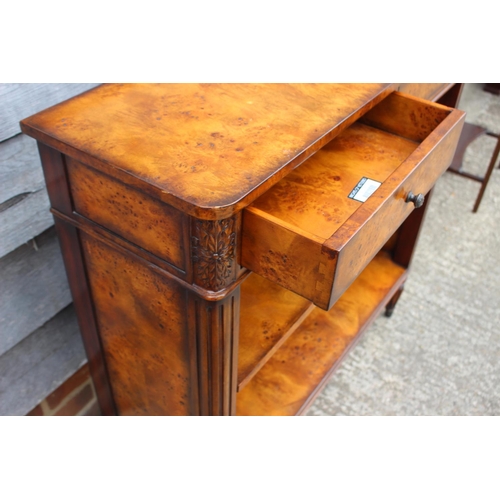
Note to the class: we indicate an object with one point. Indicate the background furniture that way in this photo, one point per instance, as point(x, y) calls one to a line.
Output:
point(494, 88)
point(470, 133)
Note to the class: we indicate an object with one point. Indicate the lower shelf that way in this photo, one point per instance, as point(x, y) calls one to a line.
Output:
point(269, 315)
point(288, 383)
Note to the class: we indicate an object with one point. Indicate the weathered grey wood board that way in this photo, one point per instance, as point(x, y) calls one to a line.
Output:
point(33, 288)
point(40, 346)
point(20, 168)
point(20, 100)
point(40, 363)
point(24, 205)
point(27, 218)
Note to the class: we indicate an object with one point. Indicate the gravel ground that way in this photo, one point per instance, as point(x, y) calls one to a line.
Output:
point(439, 354)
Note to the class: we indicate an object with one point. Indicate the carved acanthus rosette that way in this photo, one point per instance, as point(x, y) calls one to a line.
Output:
point(213, 247)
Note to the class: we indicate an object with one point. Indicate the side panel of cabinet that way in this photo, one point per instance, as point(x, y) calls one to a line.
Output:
point(143, 331)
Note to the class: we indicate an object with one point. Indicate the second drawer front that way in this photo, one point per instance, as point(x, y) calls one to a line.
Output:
point(309, 236)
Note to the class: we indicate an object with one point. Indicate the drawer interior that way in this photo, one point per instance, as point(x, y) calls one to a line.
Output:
point(315, 196)
point(317, 229)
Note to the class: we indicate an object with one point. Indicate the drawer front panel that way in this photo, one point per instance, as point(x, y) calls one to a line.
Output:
point(308, 235)
point(372, 226)
point(140, 219)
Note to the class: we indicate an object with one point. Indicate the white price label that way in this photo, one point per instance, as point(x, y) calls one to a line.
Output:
point(364, 189)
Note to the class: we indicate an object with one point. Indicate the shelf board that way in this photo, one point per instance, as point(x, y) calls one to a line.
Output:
point(288, 383)
point(269, 315)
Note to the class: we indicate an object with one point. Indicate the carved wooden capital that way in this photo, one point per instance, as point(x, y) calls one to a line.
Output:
point(213, 252)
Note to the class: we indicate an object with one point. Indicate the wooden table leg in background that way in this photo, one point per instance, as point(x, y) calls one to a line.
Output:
point(491, 166)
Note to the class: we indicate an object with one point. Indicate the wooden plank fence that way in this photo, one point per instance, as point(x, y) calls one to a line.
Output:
point(39, 342)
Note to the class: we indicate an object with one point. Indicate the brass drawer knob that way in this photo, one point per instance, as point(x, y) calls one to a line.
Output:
point(416, 199)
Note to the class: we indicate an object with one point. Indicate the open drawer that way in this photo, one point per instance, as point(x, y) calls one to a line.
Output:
point(319, 227)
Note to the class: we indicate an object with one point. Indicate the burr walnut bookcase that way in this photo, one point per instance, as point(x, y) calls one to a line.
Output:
point(226, 245)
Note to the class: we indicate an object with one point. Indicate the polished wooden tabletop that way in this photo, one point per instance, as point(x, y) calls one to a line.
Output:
point(208, 149)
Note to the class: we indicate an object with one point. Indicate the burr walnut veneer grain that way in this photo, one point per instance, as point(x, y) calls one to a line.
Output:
point(269, 315)
point(131, 321)
point(182, 209)
point(207, 149)
point(305, 232)
point(286, 385)
point(138, 218)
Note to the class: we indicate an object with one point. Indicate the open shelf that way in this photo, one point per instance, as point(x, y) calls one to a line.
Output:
point(269, 315)
point(288, 383)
